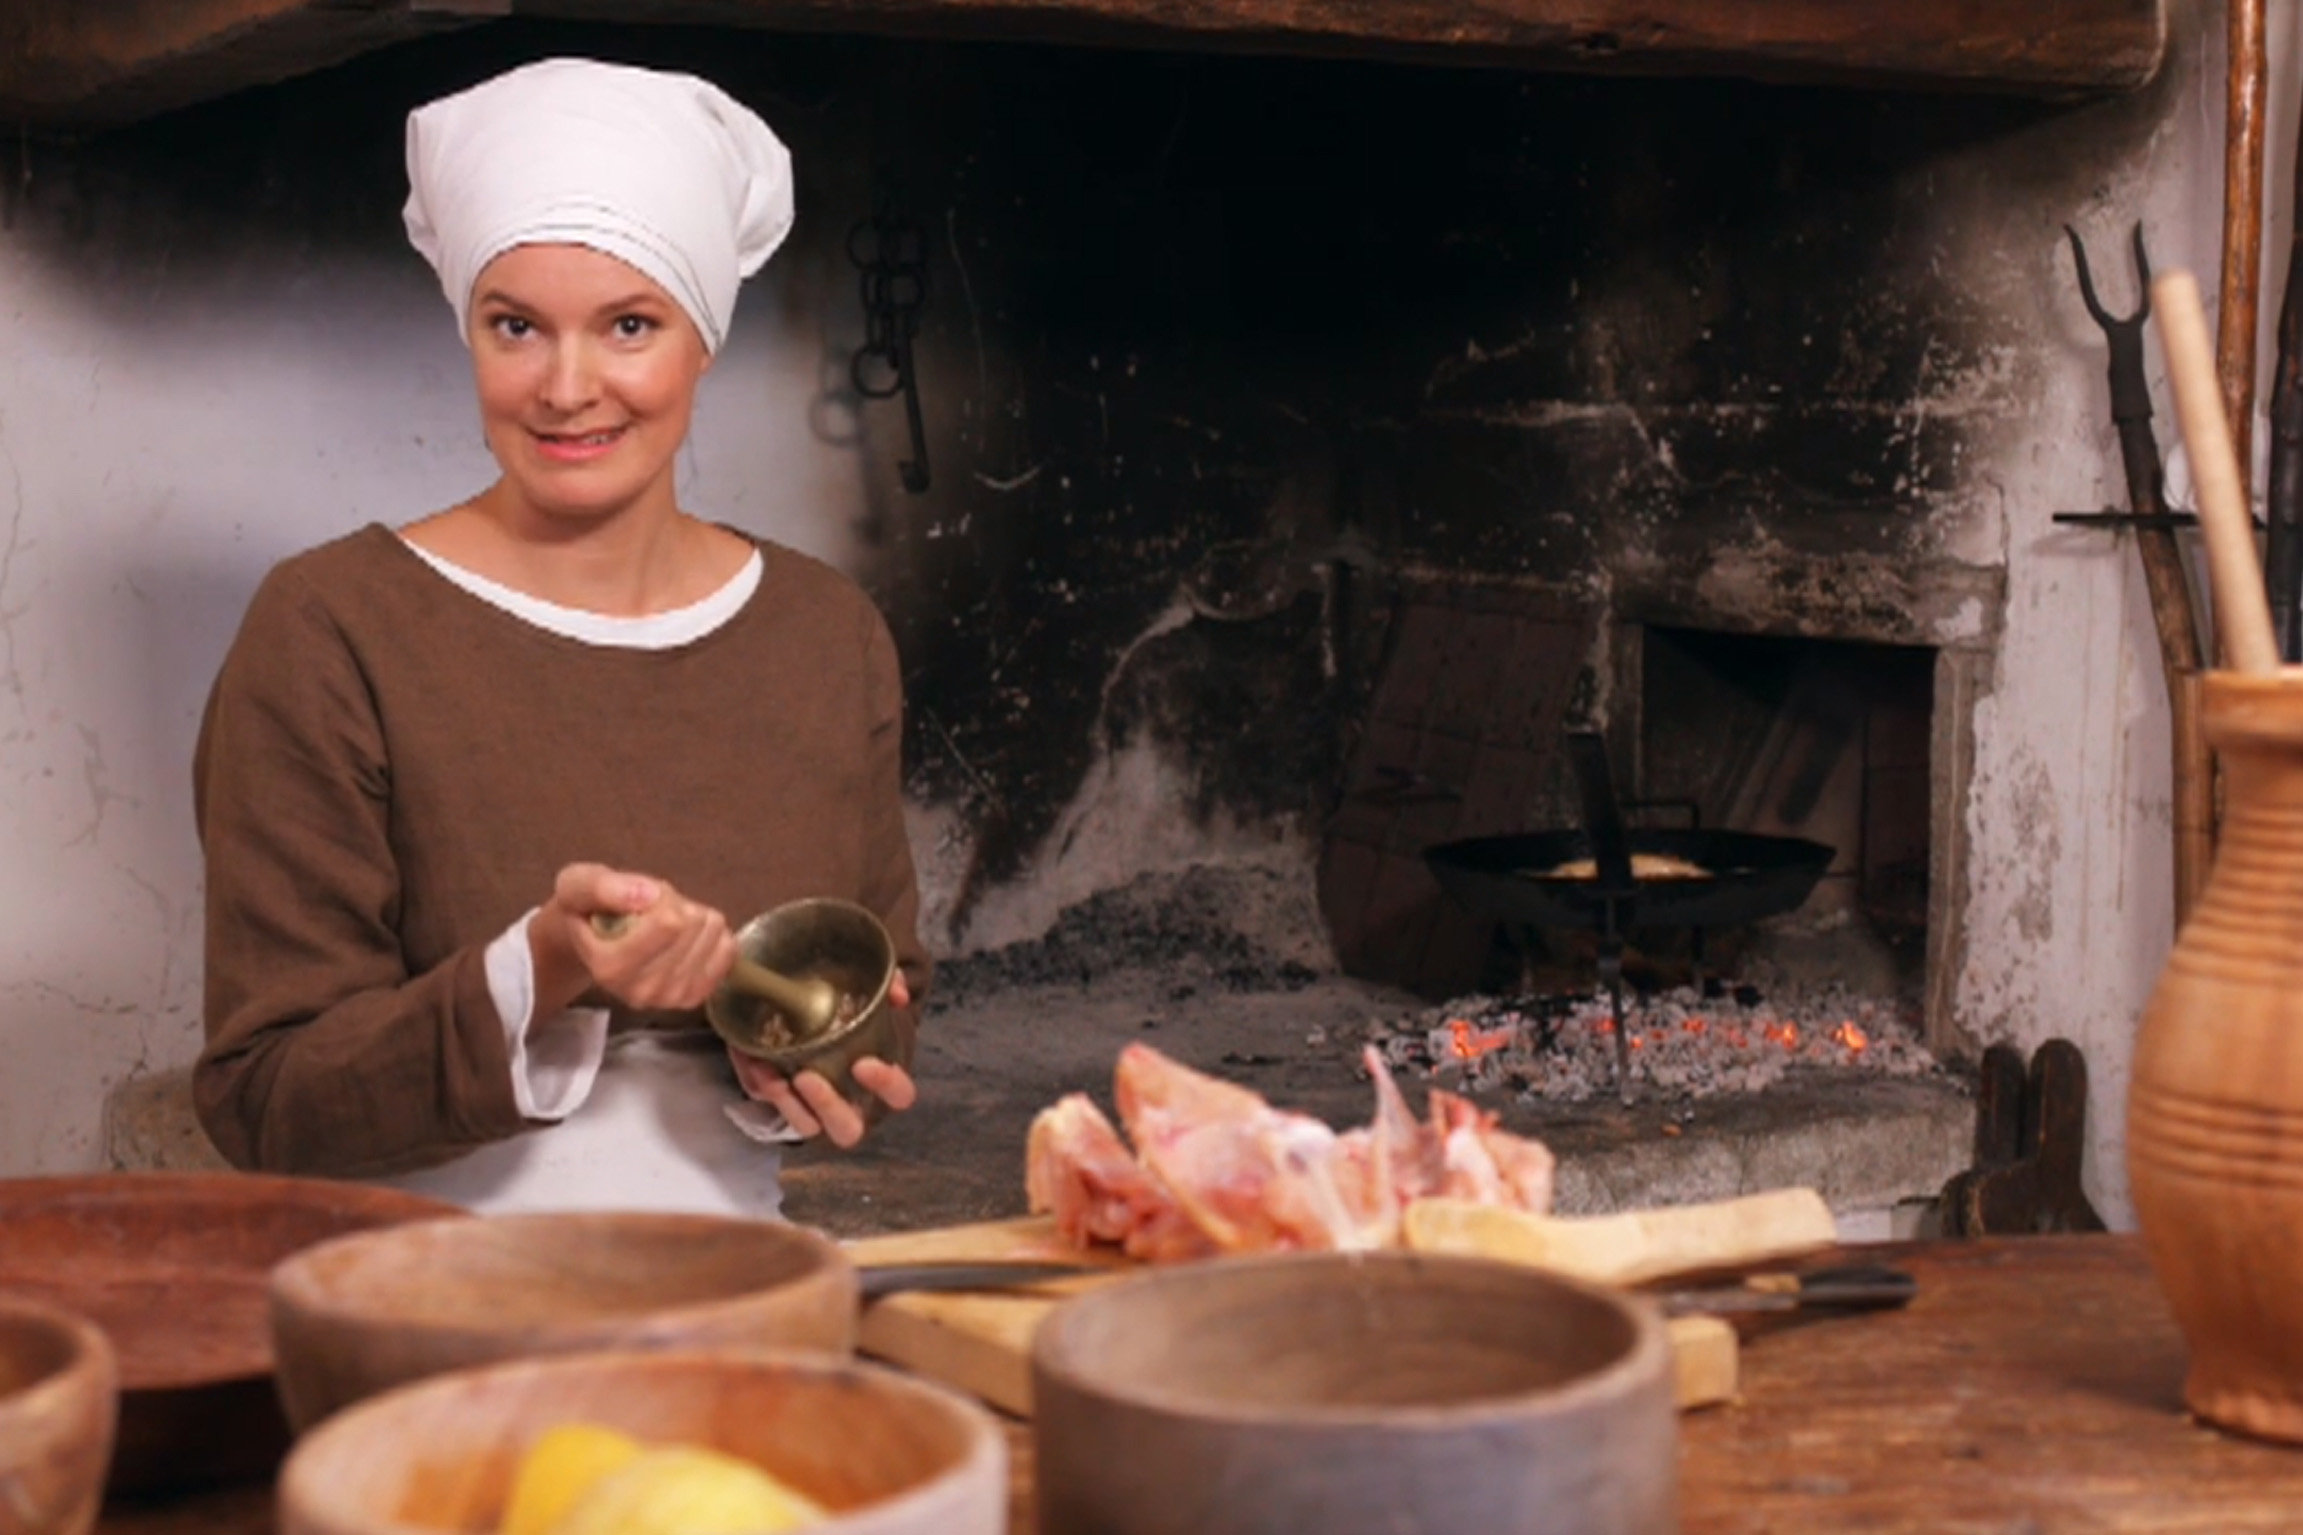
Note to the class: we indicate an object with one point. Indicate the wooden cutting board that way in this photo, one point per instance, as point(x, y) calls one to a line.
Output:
point(981, 1342)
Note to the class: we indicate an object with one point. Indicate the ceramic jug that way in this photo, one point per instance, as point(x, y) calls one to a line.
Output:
point(2215, 1108)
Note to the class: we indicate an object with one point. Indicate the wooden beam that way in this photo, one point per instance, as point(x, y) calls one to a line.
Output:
point(79, 61)
point(2047, 48)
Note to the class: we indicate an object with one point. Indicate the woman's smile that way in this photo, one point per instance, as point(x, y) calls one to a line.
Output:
point(587, 374)
point(578, 448)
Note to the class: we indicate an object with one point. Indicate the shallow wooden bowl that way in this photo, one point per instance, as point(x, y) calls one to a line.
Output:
point(889, 1455)
point(59, 1397)
point(1353, 1394)
point(374, 1310)
point(172, 1267)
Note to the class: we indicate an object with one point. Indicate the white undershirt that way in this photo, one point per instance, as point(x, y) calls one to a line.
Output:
point(556, 1061)
point(648, 631)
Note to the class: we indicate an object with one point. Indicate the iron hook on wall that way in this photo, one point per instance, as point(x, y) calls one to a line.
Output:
point(891, 254)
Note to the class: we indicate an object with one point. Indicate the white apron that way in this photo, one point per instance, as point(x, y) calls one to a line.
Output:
point(653, 1135)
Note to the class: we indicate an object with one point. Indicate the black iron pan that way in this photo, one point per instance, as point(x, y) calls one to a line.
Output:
point(1502, 878)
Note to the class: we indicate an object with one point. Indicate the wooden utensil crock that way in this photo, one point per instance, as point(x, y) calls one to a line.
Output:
point(2215, 1108)
point(59, 1404)
point(1353, 1394)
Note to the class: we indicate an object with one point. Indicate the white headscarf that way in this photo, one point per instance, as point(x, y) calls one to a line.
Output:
point(664, 171)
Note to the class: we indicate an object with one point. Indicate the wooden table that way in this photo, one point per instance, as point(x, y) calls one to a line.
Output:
point(2033, 1387)
point(2035, 1384)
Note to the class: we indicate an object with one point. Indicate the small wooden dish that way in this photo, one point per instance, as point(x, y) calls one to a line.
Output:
point(1353, 1394)
point(172, 1267)
point(59, 1400)
point(889, 1455)
point(374, 1310)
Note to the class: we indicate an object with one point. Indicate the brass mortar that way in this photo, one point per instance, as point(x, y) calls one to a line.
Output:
point(836, 941)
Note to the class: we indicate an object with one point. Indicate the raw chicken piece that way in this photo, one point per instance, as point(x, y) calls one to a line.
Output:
point(1252, 1177)
point(1167, 1235)
point(1146, 1082)
point(1216, 1168)
point(1459, 1154)
point(1481, 1163)
point(1077, 1168)
point(1411, 1156)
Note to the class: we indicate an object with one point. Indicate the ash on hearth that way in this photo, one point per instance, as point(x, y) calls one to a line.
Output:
point(1686, 1042)
point(1210, 928)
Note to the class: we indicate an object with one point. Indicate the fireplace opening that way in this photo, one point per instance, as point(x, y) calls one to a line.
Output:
point(1822, 739)
point(1715, 975)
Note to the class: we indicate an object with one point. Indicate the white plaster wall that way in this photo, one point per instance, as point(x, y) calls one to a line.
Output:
point(169, 427)
point(2070, 911)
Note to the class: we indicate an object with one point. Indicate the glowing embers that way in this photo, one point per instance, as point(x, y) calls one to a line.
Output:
point(1682, 1043)
point(1466, 1042)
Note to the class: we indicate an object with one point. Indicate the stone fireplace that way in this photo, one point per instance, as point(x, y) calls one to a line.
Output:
point(1314, 441)
point(1519, 404)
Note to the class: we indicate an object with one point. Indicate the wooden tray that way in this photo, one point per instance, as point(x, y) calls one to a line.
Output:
point(172, 1265)
point(981, 1341)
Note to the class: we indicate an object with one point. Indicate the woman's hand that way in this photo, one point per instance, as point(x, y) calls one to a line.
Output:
point(669, 954)
point(811, 1105)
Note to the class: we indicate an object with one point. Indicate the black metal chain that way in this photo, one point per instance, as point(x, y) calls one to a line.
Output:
point(891, 253)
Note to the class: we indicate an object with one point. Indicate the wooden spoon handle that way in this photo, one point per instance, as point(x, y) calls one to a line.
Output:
point(2235, 572)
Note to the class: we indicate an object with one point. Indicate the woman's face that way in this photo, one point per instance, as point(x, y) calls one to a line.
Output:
point(587, 372)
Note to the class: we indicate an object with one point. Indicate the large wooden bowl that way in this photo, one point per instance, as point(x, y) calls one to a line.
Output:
point(59, 1395)
point(374, 1310)
point(889, 1455)
point(1353, 1394)
point(172, 1266)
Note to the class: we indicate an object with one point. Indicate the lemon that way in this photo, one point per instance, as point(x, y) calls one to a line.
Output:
point(560, 1467)
point(686, 1490)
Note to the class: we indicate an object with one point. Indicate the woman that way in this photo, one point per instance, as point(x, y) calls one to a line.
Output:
point(434, 754)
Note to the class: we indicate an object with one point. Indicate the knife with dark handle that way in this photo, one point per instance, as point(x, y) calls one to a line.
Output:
point(1853, 1288)
point(1862, 1287)
point(876, 1280)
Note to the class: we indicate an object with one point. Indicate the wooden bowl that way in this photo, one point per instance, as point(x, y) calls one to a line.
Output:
point(1353, 1394)
point(890, 1455)
point(373, 1310)
point(59, 1401)
point(172, 1266)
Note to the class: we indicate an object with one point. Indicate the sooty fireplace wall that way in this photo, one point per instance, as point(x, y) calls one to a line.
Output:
point(1232, 365)
point(1227, 357)
point(1246, 375)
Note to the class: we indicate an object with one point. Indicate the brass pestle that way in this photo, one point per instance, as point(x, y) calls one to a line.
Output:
point(808, 1004)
